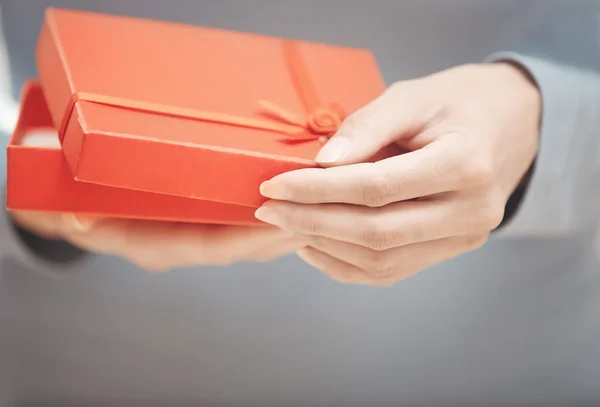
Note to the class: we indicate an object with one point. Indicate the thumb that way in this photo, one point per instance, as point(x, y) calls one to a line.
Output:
point(367, 131)
point(80, 223)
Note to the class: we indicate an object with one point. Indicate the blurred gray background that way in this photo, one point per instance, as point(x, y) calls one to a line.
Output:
point(281, 333)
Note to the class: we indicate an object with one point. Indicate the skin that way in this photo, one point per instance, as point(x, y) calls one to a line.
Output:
point(471, 133)
point(158, 246)
point(162, 246)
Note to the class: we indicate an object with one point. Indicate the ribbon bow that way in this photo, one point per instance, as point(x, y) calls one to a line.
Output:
point(320, 124)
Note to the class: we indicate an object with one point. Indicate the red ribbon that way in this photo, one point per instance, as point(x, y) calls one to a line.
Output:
point(320, 123)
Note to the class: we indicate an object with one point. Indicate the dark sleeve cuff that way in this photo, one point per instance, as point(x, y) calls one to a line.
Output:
point(51, 250)
point(562, 195)
point(46, 256)
point(514, 202)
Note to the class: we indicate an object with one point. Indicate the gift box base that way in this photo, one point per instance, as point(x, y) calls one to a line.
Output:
point(39, 179)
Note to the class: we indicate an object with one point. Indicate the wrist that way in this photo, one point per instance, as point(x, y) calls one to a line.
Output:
point(527, 99)
point(524, 101)
point(517, 77)
point(532, 94)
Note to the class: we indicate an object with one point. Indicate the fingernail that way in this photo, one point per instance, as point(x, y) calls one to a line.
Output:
point(304, 254)
point(334, 150)
point(78, 223)
point(267, 215)
point(274, 190)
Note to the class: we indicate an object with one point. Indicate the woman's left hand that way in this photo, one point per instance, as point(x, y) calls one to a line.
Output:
point(471, 133)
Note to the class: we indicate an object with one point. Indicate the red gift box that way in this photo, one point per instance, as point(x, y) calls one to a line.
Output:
point(188, 120)
point(39, 179)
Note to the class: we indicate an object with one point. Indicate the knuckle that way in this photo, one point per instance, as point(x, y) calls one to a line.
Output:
point(377, 190)
point(378, 236)
point(493, 217)
point(490, 213)
point(363, 121)
point(380, 263)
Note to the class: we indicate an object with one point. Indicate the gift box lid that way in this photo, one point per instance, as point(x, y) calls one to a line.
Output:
point(39, 179)
point(190, 111)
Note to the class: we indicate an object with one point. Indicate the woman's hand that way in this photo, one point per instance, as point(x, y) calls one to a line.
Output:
point(161, 246)
point(471, 133)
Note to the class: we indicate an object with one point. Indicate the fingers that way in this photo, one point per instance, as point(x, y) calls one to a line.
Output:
point(53, 225)
point(79, 222)
point(177, 257)
point(394, 225)
point(381, 122)
point(337, 269)
point(200, 245)
point(442, 166)
point(44, 224)
point(274, 251)
point(404, 260)
point(361, 265)
point(161, 246)
point(158, 246)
